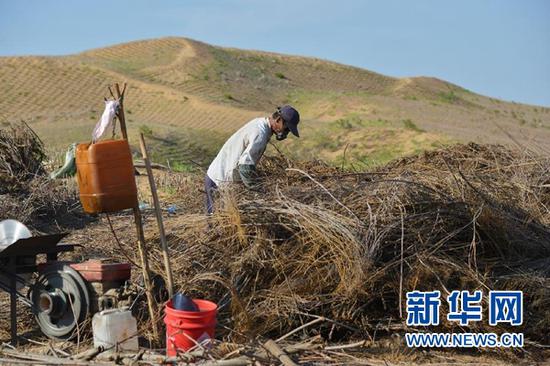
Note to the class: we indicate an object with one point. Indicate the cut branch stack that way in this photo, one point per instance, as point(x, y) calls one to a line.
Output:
point(349, 245)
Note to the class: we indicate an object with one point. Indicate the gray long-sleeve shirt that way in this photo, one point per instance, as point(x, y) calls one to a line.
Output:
point(244, 147)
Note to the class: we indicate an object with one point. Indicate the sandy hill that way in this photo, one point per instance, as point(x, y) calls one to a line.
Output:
point(187, 96)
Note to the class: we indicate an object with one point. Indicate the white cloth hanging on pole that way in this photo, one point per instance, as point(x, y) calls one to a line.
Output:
point(111, 108)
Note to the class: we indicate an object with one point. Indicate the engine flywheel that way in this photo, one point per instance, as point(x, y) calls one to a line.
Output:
point(61, 301)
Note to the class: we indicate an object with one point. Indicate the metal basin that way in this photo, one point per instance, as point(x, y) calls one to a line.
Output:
point(11, 231)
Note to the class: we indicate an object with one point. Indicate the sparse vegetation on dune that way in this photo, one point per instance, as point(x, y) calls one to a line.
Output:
point(355, 143)
point(177, 84)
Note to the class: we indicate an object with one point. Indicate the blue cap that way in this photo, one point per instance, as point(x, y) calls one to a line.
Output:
point(291, 118)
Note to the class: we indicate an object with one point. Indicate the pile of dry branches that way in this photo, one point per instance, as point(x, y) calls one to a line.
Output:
point(21, 156)
point(347, 246)
point(26, 192)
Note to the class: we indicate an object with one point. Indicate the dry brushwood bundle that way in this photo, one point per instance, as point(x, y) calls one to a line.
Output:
point(319, 241)
point(26, 192)
point(21, 156)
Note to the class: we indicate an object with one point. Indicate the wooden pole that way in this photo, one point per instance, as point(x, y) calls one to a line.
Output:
point(165, 250)
point(139, 228)
point(121, 118)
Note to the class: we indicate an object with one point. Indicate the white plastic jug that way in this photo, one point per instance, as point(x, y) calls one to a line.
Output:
point(115, 330)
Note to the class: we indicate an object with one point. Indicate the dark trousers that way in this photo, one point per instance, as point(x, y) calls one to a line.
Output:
point(209, 187)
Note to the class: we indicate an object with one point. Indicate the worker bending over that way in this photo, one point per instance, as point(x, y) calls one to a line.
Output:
point(237, 159)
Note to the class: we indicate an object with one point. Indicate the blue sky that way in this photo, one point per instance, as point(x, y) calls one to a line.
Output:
point(499, 48)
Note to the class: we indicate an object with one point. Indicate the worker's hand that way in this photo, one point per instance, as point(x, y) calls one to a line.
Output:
point(248, 175)
point(258, 189)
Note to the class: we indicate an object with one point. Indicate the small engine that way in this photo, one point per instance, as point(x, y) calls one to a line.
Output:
point(66, 293)
point(62, 295)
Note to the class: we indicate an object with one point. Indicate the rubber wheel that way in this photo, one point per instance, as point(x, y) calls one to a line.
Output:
point(71, 301)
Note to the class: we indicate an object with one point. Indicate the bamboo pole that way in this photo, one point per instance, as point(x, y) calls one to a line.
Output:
point(139, 228)
point(165, 250)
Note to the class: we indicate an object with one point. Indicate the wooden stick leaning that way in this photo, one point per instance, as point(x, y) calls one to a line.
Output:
point(165, 250)
point(139, 228)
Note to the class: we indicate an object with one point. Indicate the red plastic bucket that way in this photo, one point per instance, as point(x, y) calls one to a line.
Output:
point(184, 329)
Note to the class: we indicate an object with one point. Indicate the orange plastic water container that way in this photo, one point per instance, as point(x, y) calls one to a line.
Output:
point(184, 329)
point(105, 174)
